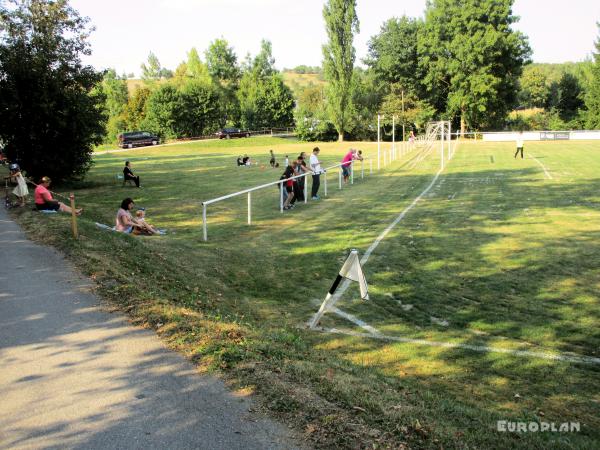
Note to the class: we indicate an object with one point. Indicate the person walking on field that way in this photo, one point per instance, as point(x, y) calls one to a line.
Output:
point(519, 144)
point(315, 165)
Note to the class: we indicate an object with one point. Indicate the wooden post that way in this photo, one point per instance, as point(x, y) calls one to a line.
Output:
point(73, 216)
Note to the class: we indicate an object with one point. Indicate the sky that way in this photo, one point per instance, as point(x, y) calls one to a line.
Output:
point(128, 30)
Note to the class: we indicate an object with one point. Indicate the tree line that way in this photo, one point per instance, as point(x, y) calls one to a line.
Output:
point(462, 61)
point(200, 96)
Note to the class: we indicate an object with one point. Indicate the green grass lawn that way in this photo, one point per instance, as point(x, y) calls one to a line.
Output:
point(497, 255)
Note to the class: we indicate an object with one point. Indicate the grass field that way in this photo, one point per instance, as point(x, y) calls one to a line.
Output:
point(502, 253)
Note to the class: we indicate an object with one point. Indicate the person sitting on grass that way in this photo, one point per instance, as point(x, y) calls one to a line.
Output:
point(45, 202)
point(124, 222)
point(246, 160)
point(145, 227)
point(240, 162)
point(128, 174)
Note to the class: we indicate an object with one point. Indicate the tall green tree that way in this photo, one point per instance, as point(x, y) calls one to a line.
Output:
point(472, 59)
point(135, 110)
point(50, 114)
point(341, 23)
point(153, 71)
point(393, 53)
point(570, 97)
point(196, 69)
point(263, 64)
point(534, 88)
point(114, 89)
point(222, 62)
point(592, 97)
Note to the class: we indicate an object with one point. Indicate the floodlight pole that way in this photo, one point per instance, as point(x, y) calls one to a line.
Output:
point(450, 140)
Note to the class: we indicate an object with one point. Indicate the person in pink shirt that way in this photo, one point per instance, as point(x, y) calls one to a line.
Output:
point(347, 163)
point(44, 201)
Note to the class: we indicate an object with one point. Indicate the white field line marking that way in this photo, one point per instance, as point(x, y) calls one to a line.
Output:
point(346, 283)
point(543, 167)
point(354, 320)
point(475, 348)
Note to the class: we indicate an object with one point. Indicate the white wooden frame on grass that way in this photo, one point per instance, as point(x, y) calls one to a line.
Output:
point(249, 191)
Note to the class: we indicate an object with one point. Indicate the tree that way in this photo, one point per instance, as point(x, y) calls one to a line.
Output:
point(196, 69)
point(263, 65)
point(570, 97)
point(472, 59)
point(153, 71)
point(534, 88)
point(163, 111)
point(200, 112)
point(341, 23)
point(222, 62)
point(393, 54)
point(265, 102)
point(114, 88)
point(135, 111)
point(592, 98)
point(50, 117)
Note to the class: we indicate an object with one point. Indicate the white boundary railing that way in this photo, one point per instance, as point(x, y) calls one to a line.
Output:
point(389, 156)
point(281, 191)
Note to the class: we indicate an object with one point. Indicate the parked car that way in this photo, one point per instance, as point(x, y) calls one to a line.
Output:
point(137, 138)
point(228, 133)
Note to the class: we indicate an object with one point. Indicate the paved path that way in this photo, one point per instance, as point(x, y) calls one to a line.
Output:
point(73, 375)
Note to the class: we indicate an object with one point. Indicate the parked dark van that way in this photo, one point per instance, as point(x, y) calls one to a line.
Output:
point(137, 138)
point(228, 133)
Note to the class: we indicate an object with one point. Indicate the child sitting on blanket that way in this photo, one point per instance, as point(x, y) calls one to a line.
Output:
point(144, 227)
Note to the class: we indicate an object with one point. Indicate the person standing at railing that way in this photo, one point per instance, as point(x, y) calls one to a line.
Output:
point(301, 168)
point(347, 163)
point(289, 187)
point(315, 165)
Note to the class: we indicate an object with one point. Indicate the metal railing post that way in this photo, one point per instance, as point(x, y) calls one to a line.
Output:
point(249, 208)
point(362, 169)
point(352, 172)
point(305, 188)
point(325, 182)
point(281, 197)
point(204, 224)
point(340, 177)
point(378, 142)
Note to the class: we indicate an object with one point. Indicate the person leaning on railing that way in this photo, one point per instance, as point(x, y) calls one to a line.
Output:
point(45, 202)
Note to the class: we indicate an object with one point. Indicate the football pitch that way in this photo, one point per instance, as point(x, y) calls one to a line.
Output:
point(484, 303)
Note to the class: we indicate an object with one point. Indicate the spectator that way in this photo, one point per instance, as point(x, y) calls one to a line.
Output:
point(347, 163)
point(45, 202)
point(145, 227)
point(287, 161)
point(411, 137)
point(519, 144)
point(289, 187)
point(315, 166)
point(246, 160)
point(125, 223)
point(272, 160)
point(239, 161)
point(16, 176)
point(301, 168)
point(128, 174)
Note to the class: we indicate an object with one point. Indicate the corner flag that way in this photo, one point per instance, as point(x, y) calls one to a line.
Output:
point(351, 270)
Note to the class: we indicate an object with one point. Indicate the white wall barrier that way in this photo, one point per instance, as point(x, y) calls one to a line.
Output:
point(577, 135)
